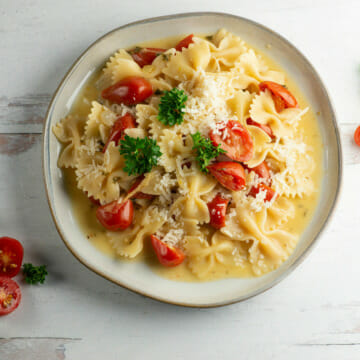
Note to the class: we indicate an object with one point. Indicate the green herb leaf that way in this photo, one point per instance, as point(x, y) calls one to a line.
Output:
point(205, 150)
point(171, 107)
point(34, 274)
point(140, 154)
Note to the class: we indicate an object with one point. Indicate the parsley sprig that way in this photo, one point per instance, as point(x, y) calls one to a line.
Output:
point(205, 150)
point(34, 274)
point(171, 107)
point(140, 154)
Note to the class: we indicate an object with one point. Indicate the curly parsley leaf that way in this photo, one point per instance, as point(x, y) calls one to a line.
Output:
point(34, 274)
point(171, 107)
point(140, 154)
point(205, 150)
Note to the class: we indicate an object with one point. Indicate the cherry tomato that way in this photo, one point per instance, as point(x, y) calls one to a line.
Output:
point(139, 195)
point(11, 256)
point(265, 128)
point(10, 295)
point(184, 43)
point(217, 210)
point(262, 170)
point(94, 201)
point(129, 91)
point(282, 97)
point(116, 216)
point(118, 130)
point(145, 56)
point(230, 175)
point(357, 136)
point(235, 140)
point(270, 193)
point(167, 255)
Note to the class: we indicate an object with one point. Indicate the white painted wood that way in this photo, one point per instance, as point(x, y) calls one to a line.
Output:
point(314, 313)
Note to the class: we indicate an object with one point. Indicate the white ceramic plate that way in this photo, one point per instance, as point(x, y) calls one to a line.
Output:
point(137, 276)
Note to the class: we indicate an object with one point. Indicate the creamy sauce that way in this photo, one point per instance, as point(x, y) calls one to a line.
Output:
point(84, 210)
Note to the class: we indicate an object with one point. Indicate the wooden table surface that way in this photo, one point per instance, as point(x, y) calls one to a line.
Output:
point(312, 314)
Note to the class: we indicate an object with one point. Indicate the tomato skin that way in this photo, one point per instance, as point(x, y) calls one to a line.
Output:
point(270, 193)
point(262, 170)
point(116, 216)
point(11, 256)
point(266, 128)
point(167, 255)
point(230, 175)
point(10, 295)
point(217, 210)
point(139, 195)
point(118, 130)
point(145, 56)
point(282, 97)
point(184, 43)
point(129, 91)
point(357, 136)
point(237, 143)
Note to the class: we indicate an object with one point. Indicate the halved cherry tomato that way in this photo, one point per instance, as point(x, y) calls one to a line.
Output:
point(10, 295)
point(235, 140)
point(217, 210)
point(118, 130)
point(139, 195)
point(167, 255)
point(184, 43)
point(230, 175)
point(145, 56)
point(11, 256)
point(270, 193)
point(282, 97)
point(129, 91)
point(357, 136)
point(262, 170)
point(263, 127)
point(116, 216)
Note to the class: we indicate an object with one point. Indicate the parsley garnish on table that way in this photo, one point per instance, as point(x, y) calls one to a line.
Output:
point(205, 150)
point(171, 107)
point(34, 274)
point(140, 154)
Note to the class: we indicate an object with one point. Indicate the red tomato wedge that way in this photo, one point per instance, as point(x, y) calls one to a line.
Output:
point(11, 256)
point(282, 97)
point(139, 195)
point(230, 175)
point(145, 56)
point(10, 295)
point(262, 170)
point(357, 136)
point(118, 130)
point(235, 140)
point(184, 43)
point(129, 91)
point(270, 193)
point(266, 128)
point(116, 216)
point(167, 255)
point(217, 210)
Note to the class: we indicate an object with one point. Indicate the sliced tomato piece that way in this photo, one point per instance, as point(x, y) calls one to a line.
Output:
point(167, 255)
point(116, 216)
point(265, 128)
point(139, 195)
point(129, 91)
point(217, 210)
point(145, 56)
point(11, 256)
point(262, 170)
point(357, 136)
point(282, 97)
point(10, 295)
point(235, 140)
point(230, 175)
point(270, 193)
point(118, 130)
point(184, 43)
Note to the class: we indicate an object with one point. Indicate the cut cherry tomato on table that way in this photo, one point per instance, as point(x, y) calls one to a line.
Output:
point(270, 193)
point(117, 133)
point(184, 43)
point(145, 56)
point(217, 210)
point(282, 97)
point(116, 216)
point(10, 295)
point(357, 136)
point(11, 256)
point(235, 140)
point(266, 128)
point(129, 91)
point(230, 175)
point(167, 255)
point(139, 195)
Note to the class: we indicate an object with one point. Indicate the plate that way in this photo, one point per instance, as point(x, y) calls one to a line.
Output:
point(136, 276)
